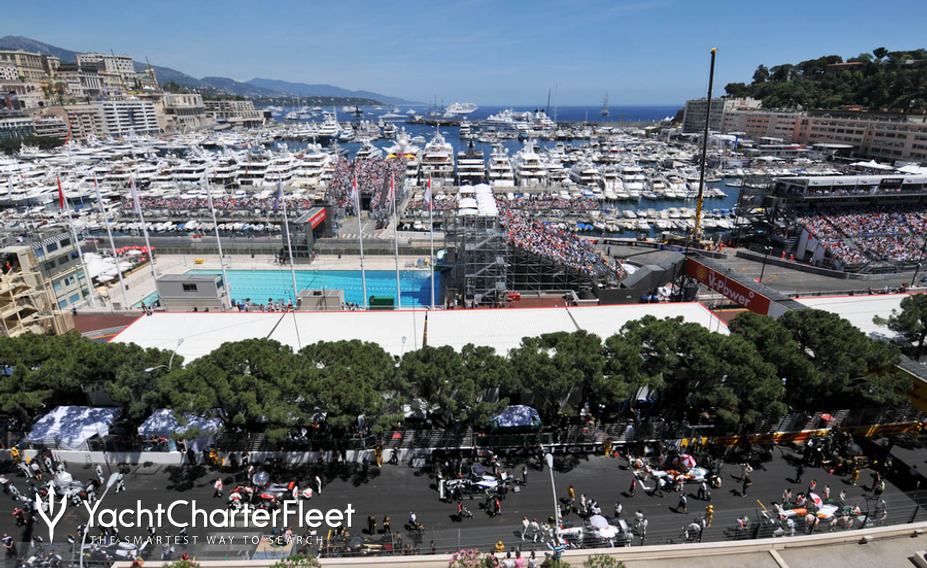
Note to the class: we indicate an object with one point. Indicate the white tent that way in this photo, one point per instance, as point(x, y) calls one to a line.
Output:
point(163, 423)
point(69, 427)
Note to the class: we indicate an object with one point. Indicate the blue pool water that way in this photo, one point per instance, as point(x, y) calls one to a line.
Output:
point(259, 285)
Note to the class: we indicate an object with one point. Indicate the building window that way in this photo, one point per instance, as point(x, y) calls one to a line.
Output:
point(52, 247)
point(189, 287)
point(65, 242)
point(74, 298)
point(62, 303)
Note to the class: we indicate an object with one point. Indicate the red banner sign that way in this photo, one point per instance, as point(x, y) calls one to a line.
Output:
point(316, 219)
point(728, 287)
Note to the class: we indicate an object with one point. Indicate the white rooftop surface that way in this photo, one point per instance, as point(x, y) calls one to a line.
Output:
point(387, 328)
point(606, 321)
point(201, 332)
point(502, 329)
point(859, 310)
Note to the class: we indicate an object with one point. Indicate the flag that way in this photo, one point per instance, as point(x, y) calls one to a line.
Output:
point(392, 189)
point(354, 189)
point(278, 195)
point(60, 193)
point(428, 194)
point(134, 191)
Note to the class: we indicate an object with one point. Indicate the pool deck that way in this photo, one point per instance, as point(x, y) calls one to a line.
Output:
point(140, 284)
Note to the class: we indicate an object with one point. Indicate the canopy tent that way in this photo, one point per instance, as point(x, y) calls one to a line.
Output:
point(164, 423)
point(519, 416)
point(69, 427)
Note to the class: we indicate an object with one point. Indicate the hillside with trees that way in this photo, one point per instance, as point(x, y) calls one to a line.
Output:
point(879, 81)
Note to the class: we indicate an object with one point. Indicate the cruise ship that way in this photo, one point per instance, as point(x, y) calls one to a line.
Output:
point(368, 151)
point(253, 170)
point(312, 166)
point(500, 172)
point(471, 168)
point(585, 174)
point(528, 167)
point(281, 169)
point(455, 109)
point(438, 161)
point(633, 180)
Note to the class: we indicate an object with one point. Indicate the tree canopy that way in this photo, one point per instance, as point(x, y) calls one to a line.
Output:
point(807, 360)
point(911, 321)
point(882, 80)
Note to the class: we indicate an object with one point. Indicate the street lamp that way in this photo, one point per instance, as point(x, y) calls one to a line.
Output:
point(113, 478)
point(768, 250)
point(549, 458)
point(170, 362)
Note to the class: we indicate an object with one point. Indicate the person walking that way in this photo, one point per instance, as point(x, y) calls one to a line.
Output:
point(618, 509)
point(524, 475)
point(387, 527)
point(703, 492)
point(525, 525)
point(709, 514)
point(571, 495)
point(633, 486)
point(745, 483)
point(318, 484)
point(9, 545)
point(854, 477)
point(683, 505)
point(218, 486)
point(799, 471)
point(535, 529)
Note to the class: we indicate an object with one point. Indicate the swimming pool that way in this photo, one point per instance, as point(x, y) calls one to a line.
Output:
point(260, 285)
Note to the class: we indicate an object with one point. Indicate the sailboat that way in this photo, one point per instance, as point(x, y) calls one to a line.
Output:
point(605, 105)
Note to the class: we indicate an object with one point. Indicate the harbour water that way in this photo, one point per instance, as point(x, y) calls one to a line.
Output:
point(618, 116)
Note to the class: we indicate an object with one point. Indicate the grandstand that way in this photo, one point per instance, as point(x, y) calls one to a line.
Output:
point(513, 252)
point(853, 223)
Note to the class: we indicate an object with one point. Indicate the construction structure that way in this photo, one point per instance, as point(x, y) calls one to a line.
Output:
point(479, 264)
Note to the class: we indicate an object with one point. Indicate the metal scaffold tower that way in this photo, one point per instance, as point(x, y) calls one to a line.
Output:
point(480, 264)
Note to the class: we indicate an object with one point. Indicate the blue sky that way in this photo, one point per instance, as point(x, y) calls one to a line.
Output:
point(486, 51)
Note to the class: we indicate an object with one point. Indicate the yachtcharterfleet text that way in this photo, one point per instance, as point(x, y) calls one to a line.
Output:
point(183, 513)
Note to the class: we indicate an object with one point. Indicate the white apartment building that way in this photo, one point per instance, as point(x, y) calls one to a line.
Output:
point(694, 115)
point(116, 64)
point(8, 72)
point(52, 127)
point(886, 137)
point(234, 112)
point(131, 116)
point(29, 66)
point(185, 111)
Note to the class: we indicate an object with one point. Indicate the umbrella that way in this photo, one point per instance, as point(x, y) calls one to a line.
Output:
point(853, 449)
point(687, 460)
point(261, 478)
point(827, 417)
point(818, 502)
point(598, 521)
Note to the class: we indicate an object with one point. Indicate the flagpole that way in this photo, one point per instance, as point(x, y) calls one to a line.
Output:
point(392, 186)
point(141, 219)
point(431, 228)
point(289, 243)
point(112, 244)
point(215, 224)
point(360, 236)
point(80, 252)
